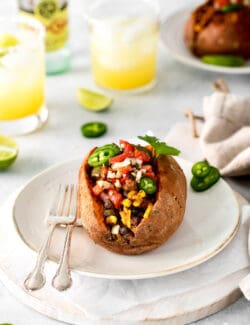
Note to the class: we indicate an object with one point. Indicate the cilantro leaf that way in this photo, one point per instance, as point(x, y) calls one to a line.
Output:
point(161, 148)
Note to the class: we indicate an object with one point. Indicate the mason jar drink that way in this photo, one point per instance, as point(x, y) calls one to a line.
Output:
point(123, 43)
point(22, 76)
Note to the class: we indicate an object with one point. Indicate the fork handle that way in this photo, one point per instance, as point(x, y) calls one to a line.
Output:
point(62, 279)
point(36, 279)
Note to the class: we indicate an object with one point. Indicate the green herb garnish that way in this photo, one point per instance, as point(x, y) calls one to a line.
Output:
point(161, 148)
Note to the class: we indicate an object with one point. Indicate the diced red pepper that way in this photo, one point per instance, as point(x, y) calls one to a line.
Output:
point(148, 171)
point(221, 3)
point(126, 169)
point(127, 147)
point(142, 155)
point(115, 197)
point(118, 158)
point(97, 190)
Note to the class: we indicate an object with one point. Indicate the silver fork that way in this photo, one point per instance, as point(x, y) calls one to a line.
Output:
point(62, 212)
point(62, 279)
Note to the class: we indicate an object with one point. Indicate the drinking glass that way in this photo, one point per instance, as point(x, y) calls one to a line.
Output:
point(123, 43)
point(22, 76)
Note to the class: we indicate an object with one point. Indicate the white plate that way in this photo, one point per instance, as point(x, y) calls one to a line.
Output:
point(210, 222)
point(172, 36)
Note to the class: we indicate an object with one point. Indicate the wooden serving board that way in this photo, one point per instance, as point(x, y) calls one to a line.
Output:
point(179, 310)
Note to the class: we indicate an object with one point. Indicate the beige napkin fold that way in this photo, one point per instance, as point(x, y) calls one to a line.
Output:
point(225, 136)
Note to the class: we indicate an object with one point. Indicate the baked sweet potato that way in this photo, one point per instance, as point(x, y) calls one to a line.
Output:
point(210, 30)
point(151, 219)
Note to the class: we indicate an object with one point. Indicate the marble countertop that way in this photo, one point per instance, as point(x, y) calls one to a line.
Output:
point(178, 87)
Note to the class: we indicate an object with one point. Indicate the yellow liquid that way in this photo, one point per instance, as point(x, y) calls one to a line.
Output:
point(125, 63)
point(22, 79)
point(17, 101)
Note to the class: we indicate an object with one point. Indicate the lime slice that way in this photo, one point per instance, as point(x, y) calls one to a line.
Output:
point(92, 100)
point(8, 152)
point(8, 40)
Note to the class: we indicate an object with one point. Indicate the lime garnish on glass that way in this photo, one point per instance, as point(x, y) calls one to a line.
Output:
point(8, 152)
point(7, 40)
point(93, 101)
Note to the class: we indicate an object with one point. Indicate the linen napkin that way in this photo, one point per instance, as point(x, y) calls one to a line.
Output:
point(225, 136)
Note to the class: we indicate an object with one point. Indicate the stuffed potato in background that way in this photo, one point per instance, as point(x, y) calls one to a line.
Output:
point(131, 200)
point(219, 27)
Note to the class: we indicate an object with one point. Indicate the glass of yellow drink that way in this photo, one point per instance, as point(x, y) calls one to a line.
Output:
point(123, 43)
point(22, 76)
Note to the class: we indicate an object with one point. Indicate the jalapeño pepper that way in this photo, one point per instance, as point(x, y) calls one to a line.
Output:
point(102, 155)
point(201, 169)
point(148, 185)
point(201, 184)
point(93, 129)
point(232, 7)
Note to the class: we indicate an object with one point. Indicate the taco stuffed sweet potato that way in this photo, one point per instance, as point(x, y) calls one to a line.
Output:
point(219, 27)
point(131, 199)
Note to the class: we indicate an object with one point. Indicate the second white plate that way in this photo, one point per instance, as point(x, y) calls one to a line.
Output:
point(210, 222)
point(172, 36)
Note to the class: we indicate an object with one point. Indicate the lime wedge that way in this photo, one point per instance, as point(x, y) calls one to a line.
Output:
point(8, 152)
point(93, 101)
point(8, 40)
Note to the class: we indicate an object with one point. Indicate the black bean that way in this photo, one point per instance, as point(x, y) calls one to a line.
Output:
point(108, 204)
point(137, 212)
point(109, 212)
point(124, 230)
point(135, 220)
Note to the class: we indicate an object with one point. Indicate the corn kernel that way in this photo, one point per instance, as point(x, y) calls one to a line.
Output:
point(148, 210)
point(111, 220)
point(132, 194)
point(126, 218)
point(126, 203)
point(137, 203)
point(141, 194)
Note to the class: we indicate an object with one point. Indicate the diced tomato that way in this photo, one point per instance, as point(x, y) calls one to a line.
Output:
point(115, 197)
point(148, 171)
point(126, 169)
point(97, 190)
point(142, 155)
point(118, 158)
point(127, 147)
point(221, 3)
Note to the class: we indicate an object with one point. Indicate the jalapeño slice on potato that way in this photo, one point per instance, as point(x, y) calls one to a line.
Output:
point(224, 60)
point(232, 7)
point(102, 155)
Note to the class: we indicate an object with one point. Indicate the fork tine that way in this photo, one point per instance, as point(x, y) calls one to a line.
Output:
point(56, 200)
point(74, 199)
point(64, 201)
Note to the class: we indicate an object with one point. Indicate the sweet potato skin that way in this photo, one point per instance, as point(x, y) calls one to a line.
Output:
point(220, 33)
point(166, 215)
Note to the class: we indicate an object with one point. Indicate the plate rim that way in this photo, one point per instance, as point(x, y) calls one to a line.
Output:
point(193, 61)
point(163, 272)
